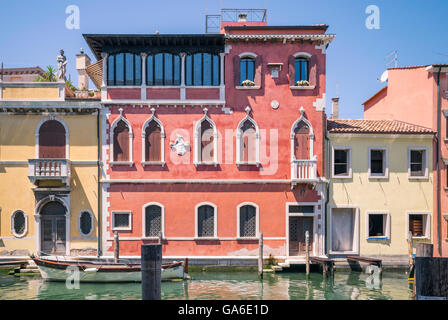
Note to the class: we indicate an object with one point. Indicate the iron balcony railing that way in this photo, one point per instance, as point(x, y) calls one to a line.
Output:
point(304, 170)
point(49, 169)
point(213, 21)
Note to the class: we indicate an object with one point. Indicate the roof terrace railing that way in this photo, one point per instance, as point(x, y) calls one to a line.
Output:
point(213, 21)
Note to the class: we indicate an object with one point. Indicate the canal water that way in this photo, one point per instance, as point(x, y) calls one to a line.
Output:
point(224, 285)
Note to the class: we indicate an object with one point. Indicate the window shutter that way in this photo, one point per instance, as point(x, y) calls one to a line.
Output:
point(258, 70)
point(207, 139)
point(52, 140)
point(121, 142)
point(313, 70)
point(291, 71)
point(302, 142)
point(236, 70)
point(153, 142)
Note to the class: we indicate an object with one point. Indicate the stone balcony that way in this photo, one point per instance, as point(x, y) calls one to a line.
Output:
point(49, 170)
point(304, 171)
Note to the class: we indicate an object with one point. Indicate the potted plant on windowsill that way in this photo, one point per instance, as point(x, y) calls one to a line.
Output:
point(248, 83)
point(302, 83)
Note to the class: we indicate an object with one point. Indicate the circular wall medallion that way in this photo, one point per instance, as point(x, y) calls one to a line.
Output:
point(274, 104)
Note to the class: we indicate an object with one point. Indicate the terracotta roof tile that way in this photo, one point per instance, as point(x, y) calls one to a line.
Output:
point(375, 126)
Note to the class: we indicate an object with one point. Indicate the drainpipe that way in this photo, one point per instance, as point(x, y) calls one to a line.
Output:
point(438, 161)
point(327, 200)
point(99, 164)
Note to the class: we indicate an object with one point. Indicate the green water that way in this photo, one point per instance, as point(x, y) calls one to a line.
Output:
point(224, 285)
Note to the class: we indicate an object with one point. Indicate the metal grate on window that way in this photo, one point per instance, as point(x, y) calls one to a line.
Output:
point(85, 223)
point(247, 221)
point(153, 221)
point(121, 220)
point(19, 222)
point(301, 209)
point(206, 221)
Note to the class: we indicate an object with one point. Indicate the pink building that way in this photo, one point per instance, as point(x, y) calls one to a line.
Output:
point(213, 139)
point(419, 95)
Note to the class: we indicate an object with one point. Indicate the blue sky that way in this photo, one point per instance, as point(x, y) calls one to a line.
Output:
point(32, 32)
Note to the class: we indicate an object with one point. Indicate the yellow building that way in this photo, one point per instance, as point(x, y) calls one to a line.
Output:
point(381, 188)
point(48, 170)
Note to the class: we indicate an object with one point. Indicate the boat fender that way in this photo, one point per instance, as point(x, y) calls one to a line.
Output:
point(90, 269)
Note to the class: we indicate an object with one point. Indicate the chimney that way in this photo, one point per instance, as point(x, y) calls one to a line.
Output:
point(334, 108)
point(82, 62)
point(242, 17)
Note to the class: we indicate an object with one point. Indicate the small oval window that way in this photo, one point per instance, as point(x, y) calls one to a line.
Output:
point(19, 223)
point(85, 223)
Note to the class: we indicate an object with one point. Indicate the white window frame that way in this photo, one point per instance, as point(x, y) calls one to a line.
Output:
point(111, 141)
point(197, 142)
point(162, 141)
point(355, 231)
point(129, 228)
point(162, 229)
point(427, 224)
point(425, 164)
point(79, 223)
point(349, 162)
point(257, 220)
point(314, 215)
point(239, 141)
point(215, 221)
point(385, 175)
point(37, 134)
point(13, 231)
point(387, 226)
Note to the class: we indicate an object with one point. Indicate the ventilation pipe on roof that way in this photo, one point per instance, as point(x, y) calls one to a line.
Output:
point(335, 108)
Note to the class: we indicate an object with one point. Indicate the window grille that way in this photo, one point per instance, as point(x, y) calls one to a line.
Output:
point(85, 222)
point(248, 221)
point(19, 222)
point(206, 221)
point(153, 221)
point(121, 220)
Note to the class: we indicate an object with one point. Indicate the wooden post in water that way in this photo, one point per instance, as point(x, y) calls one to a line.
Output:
point(151, 271)
point(260, 256)
point(411, 259)
point(307, 252)
point(116, 247)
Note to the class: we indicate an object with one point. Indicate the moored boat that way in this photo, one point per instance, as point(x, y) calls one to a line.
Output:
point(52, 270)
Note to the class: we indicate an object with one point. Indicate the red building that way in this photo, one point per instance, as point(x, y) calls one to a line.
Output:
point(212, 139)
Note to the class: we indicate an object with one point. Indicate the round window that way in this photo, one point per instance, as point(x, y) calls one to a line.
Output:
point(19, 223)
point(85, 223)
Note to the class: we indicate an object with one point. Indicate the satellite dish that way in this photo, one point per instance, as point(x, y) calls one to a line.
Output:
point(384, 77)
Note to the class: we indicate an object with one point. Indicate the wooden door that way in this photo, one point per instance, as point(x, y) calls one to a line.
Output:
point(302, 141)
point(52, 140)
point(297, 228)
point(53, 239)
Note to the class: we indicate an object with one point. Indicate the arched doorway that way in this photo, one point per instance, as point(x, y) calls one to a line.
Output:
point(53, 228)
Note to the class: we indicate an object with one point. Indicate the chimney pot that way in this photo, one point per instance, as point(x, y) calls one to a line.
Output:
point(82, 62)
point(335, 108)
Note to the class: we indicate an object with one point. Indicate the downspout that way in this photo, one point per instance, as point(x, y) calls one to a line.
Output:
point(99, 164)
point(438, 161)
point(327, 199)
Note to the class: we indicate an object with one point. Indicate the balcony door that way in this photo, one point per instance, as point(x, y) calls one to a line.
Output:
point(53, 228)
point(302, 141)
point(52, 140)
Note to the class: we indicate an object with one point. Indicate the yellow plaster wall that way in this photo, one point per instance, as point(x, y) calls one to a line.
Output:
point(398, 194)
point(17, 143)
point(31, 93)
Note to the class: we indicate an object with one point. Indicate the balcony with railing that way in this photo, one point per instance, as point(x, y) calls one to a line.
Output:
point(50, 170)
point(304, 171)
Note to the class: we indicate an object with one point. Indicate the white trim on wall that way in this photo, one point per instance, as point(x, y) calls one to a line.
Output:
point(13, 231)
point(387, 234)
point(425, 164)
point(92, 227)
point(162, 207)
point(247, 55)
point(427, 222)
point(128, 228)
point(36, 134)
point(215, 220)
point(302, 55)
point(385, 174)
point(349, 162)
point(355, 230)
point(257, 220)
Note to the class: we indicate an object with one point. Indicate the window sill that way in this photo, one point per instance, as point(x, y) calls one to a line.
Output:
point(205, 164)
point(302, 87)
point(151, 238)
point(417, 178)
point(121, 163)
point(153, 163)
point(342, 177)
point(247, 87)
point(378, 238)
point(206, 238)
point(379, 177)
point(248, 238)
point(248, 164)
point(421, 238)
point(122, 229)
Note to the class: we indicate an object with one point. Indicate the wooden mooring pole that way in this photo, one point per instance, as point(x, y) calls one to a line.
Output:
point(151, 271)
point(260, 256)
point(307, 252)
point(116, 247)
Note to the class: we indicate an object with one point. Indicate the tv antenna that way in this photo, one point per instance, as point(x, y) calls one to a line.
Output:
point(393, 60)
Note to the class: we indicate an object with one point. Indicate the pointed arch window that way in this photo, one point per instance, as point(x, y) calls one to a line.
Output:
point(153, 137)
point(206, 142)
point(121, 138)
point(248, 141)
